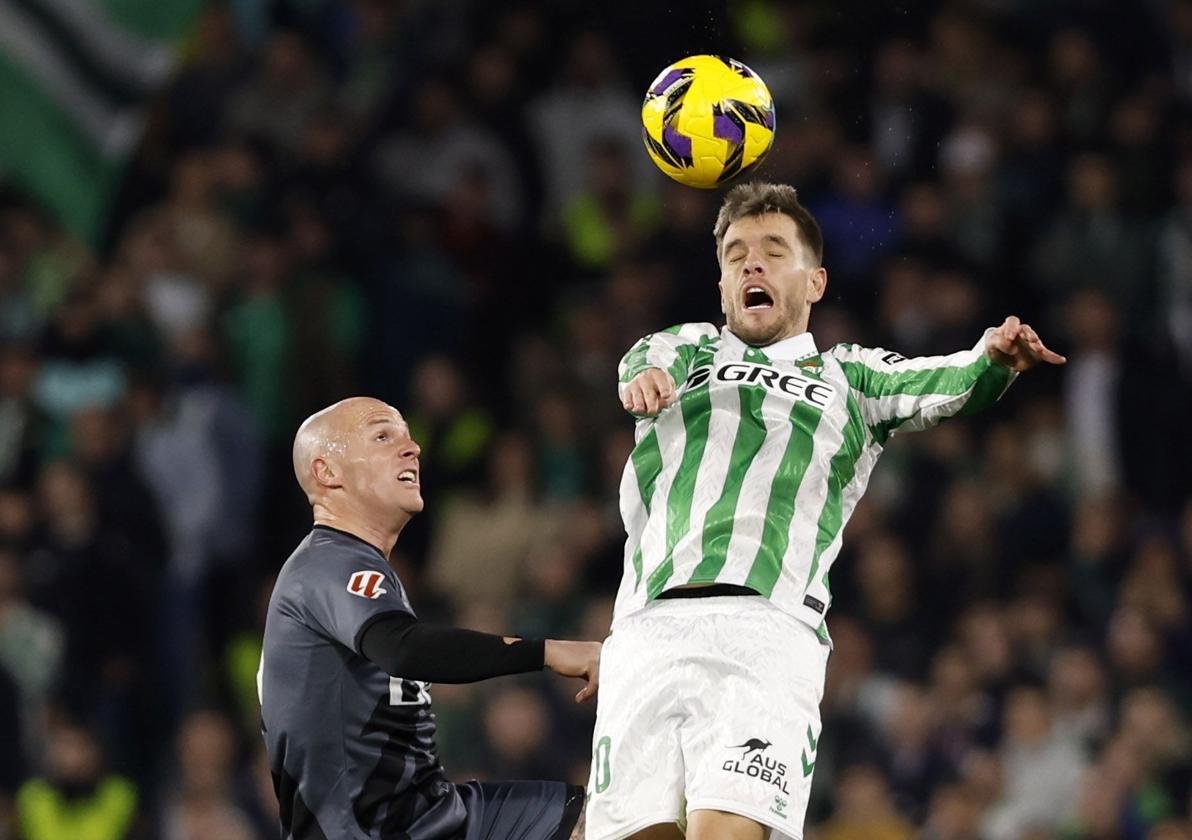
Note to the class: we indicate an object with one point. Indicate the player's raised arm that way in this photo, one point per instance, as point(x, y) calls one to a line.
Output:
point(900, 394)
point(654, 369)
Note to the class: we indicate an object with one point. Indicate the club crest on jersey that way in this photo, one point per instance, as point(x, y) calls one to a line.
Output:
point(367, 584)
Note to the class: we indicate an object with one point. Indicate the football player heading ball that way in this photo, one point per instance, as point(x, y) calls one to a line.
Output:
point(752, 449)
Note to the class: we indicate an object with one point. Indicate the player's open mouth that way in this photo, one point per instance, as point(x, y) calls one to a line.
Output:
point(757, 297)
point(408, 477)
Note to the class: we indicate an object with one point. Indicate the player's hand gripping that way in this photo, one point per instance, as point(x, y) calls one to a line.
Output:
point(1018, 347)
point(649, 392)
point(576, 659)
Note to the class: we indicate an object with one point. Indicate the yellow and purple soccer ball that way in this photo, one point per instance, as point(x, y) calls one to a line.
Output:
point(707, 119)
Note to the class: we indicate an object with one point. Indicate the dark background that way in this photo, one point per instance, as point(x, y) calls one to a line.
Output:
point(447, 205)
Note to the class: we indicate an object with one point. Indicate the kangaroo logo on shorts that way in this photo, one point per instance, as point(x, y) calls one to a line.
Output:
point(756, 765)
point(753, 744)
point(366, 584)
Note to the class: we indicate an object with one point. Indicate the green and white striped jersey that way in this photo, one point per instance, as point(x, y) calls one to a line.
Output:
point(750, 476)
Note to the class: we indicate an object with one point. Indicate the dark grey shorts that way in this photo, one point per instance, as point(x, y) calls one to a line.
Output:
point(520, 810)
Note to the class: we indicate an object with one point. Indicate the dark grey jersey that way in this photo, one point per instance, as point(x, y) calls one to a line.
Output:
point(351, 749)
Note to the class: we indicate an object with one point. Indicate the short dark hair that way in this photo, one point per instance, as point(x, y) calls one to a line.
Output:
point(758, 197)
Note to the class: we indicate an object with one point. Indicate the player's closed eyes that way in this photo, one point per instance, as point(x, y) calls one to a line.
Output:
point(737, 259)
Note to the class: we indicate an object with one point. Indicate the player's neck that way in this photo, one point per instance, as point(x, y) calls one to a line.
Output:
point(792, 332)
point(382, 538)
point(798, 327)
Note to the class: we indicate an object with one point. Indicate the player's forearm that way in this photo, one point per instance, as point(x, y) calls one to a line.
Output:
point(980, 384)
point(988, 385)
point(403, 647)
point(899, 394)
point(967, 390)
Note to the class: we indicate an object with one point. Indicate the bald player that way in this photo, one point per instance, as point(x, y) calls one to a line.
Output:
point(347, 664)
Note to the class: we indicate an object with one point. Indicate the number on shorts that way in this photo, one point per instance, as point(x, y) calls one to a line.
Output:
point(603, 776)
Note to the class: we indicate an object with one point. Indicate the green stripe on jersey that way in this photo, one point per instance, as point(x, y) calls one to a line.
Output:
point(678, 370)
point(945, 381)
point(692, 356)
point(647, 463)
point(767, 564)
point(635, 360)
point(990, 386)
point(697, 412)
point(840, 473)
point(718, 524)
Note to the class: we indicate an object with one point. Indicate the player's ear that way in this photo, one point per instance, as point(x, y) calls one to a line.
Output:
point(817, 284)
point(723, 307)
point(324, 473)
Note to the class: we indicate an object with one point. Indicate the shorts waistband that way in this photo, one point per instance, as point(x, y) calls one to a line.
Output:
point(715, 590)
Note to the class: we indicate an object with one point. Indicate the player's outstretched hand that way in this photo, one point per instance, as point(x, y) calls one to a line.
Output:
point(1017, 346)
point(649, 392)
point(576, 659)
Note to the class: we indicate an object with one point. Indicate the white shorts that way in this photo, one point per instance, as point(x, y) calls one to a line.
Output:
point(706, 703)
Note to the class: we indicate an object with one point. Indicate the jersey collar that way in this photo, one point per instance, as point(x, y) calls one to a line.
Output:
point(791, 349)
point(351, 536)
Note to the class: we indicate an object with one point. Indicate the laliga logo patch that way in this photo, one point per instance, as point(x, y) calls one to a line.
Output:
point(366, 584)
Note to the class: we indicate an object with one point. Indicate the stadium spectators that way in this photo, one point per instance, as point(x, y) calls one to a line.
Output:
point(77, 796)
point(452, 202)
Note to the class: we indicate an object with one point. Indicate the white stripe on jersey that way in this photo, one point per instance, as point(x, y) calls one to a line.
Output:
point(755, 492)
point(812, 496)
point(713, 470)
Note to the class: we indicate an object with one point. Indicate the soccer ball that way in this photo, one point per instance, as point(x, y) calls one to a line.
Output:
point(707, 119)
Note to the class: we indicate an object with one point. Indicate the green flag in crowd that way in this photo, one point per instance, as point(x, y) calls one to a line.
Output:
point(74, 79)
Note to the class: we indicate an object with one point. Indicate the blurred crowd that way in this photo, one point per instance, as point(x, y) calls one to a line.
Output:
point(447, 205)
